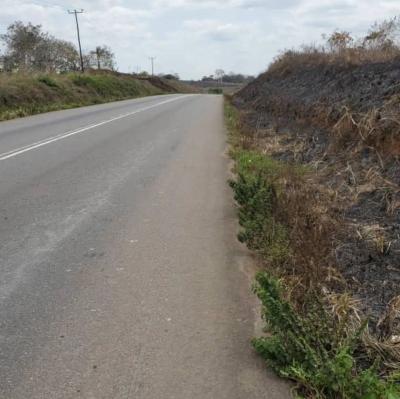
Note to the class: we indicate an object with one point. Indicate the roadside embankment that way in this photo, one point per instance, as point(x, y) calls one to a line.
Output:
point(317, 143)
point(28, 94)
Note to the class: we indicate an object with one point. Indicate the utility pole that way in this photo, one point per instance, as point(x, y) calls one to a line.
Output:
point(152, 65)
point(76, 12)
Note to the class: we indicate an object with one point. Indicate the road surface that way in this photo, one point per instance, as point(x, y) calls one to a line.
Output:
point(120, 275)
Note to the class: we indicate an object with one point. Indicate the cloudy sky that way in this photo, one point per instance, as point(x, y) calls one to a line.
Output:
point(195, 37)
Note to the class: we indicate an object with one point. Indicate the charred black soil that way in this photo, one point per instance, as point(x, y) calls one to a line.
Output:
point(343, 122)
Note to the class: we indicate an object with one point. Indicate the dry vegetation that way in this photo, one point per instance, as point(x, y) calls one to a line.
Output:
point(24, 94)
point(328, 118)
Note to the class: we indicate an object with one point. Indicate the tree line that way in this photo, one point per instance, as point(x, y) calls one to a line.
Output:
point(221, 76)
point(28, 48)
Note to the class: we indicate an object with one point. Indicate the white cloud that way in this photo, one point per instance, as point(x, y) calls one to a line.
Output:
point(224, 4)
point(214, 29)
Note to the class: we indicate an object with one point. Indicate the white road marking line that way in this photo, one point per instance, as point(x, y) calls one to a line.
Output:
point(61, 136)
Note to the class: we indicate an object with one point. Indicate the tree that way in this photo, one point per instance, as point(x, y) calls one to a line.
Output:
point(170, 76)
point(236, 78)
point(339, 40)
point(64, 56)
point(54, 55)
point(28, 48)
point(383, 35)
point(103, 58)
point(219, 74)
point(21, 43)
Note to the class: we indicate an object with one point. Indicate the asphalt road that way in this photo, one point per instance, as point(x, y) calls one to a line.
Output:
point(120, 274)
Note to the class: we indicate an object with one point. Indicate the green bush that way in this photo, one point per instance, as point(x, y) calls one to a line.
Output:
point(215, 91)
point(47, 80)
point(256, 193)
point(308, 350)
point(111, 86)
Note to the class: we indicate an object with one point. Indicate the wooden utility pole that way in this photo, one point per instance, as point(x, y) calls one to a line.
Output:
point(152, 65)
point(76, 12)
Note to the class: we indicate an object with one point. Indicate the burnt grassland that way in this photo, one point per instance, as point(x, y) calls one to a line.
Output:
point(316, 140)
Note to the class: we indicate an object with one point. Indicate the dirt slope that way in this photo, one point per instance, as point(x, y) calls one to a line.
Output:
point(343, 122)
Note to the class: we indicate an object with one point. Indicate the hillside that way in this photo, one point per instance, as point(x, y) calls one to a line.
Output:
point(343, 121)
point(27, 94)
point(320, 144)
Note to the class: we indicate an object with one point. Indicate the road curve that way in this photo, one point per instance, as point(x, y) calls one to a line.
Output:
point(120, 275)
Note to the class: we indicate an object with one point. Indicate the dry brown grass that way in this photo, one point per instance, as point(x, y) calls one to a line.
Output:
point(343, 211)
point(379, 128)
point(386, 345)
point(312, 208)
point(302, 206)
point(311, 56)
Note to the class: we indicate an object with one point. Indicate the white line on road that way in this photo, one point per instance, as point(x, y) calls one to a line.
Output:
point(61, 136)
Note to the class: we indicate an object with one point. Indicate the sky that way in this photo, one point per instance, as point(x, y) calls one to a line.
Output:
point(195, 37)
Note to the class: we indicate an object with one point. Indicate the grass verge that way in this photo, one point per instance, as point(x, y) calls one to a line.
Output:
point(28, 94)
point(315, 335)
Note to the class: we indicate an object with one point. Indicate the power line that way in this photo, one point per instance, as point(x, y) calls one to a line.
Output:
point(76, 12)
point(152, 65)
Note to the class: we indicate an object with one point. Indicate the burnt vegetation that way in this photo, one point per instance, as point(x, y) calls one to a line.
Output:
point(317, 145)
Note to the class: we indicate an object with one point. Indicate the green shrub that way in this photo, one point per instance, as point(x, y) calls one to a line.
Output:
point(306, 349)
point(111, 86)
point(256, 193)
point(47, 80)
point(215, 91)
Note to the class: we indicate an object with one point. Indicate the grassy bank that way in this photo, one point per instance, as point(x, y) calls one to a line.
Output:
point(23, 94)
point(315, 335)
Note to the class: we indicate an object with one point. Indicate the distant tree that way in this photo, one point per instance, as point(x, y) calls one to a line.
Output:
point(219, 74)
point(22, 42)
point(170, 76)
point(383, 35)
point(28, 48)
point(103, 58)
point(339, 40)
point(54, 55)
point(64, 56)
point(2, 61)
point(235, 78)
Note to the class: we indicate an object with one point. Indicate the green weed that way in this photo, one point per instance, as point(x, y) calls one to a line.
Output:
point(215, 91)
point(256, 194)
point(305, 349)
point(47, 80)
point(233, 126)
